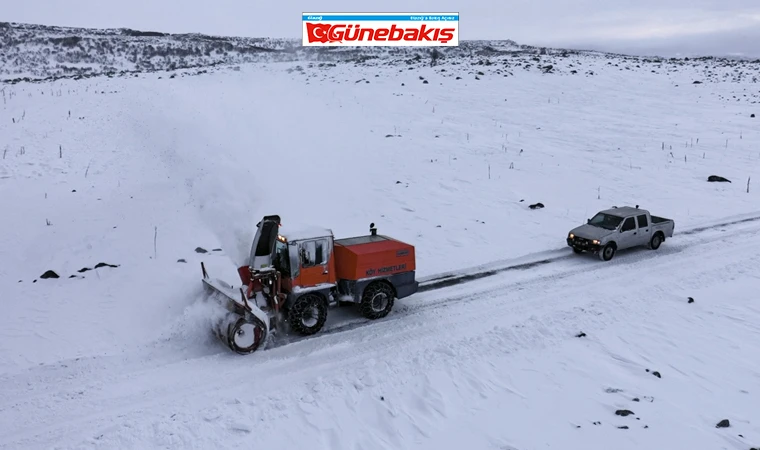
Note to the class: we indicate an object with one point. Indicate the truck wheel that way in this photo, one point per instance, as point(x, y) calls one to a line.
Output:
point(308, 314)
point(377, 300)
point(657, 239)
point(606, 253)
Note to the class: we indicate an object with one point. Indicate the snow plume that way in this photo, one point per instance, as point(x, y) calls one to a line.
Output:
point(192, 329)
point(223, 191)
point(226, 200)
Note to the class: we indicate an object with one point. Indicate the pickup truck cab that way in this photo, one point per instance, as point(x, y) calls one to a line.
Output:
point(618, 229)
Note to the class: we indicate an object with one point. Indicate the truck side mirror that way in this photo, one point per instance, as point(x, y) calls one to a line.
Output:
point(588, 220)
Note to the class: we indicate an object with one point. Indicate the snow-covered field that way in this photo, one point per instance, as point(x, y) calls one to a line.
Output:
point(139, 172)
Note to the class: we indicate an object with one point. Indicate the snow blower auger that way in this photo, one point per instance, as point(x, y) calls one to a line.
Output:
point(245, 327)
point(289, 282)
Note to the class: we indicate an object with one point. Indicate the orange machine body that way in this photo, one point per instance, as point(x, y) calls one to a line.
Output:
point(372, 256)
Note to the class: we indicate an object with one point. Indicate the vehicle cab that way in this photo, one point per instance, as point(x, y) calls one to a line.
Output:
point(305, 258)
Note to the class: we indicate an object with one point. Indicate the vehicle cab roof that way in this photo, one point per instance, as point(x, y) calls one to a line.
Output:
point(624, 211)
point(302, 233)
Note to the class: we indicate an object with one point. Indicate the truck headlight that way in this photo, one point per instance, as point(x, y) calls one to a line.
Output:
point(595, 242)
point(571, 235)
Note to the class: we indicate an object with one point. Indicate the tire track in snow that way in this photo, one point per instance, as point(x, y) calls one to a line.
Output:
point(450, 279)
point(123, 393)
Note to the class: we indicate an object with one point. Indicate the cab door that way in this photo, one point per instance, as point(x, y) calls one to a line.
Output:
point(628, 234)
point(644, 233)
point(315, 256)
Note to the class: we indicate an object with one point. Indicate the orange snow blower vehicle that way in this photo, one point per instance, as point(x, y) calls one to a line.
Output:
point(291, 280)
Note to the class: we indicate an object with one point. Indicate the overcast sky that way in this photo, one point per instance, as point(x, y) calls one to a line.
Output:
point(649, 26)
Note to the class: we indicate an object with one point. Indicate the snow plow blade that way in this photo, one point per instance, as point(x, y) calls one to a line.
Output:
point(245, 327)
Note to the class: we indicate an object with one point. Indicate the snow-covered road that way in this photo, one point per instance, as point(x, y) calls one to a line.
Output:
point(447, 367)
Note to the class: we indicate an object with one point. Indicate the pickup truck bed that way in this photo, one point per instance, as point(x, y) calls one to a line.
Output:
point(663, 225)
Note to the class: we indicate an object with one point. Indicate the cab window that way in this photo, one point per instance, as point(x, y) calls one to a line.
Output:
point(313, 253)
point(628, 225)
point(282, 258)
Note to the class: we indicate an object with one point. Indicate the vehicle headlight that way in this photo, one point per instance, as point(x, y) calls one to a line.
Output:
point(571, 235)
point(595, 242)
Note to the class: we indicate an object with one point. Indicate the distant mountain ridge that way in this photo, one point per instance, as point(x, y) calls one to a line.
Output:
point(30, 52)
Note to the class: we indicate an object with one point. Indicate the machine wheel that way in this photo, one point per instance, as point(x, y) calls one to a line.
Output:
point(606, 253)
point(308, 314)
point(577, 251)
point(377, 300)
point(657, 239)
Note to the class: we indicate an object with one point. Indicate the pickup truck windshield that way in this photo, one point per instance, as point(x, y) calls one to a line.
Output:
point(605, 221)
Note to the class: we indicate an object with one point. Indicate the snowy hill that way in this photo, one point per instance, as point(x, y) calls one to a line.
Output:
point(122, 183)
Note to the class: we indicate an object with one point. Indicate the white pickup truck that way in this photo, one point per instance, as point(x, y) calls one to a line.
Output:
point(620, 228)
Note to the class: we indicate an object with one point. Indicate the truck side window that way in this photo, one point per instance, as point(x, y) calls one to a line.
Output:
point(313, 253)
point(308, 253)
point(643, 221)
point(321, 254)
point(628, 225)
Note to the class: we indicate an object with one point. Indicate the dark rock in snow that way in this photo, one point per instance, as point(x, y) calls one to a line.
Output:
point(217, 250)
point(382, 398)
point(623, 412)
point(181, 260)
point(691, 300)
point(636, 399)
point(723, 424)
point(102, 264)
point(657, 374)
point(49, 274)
point(624, 427)
point(718, 179)
point(536, 206)
point(752, 115)
point(83, 269)
point(580, 335)
point(200, 250)
point(697, 82)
